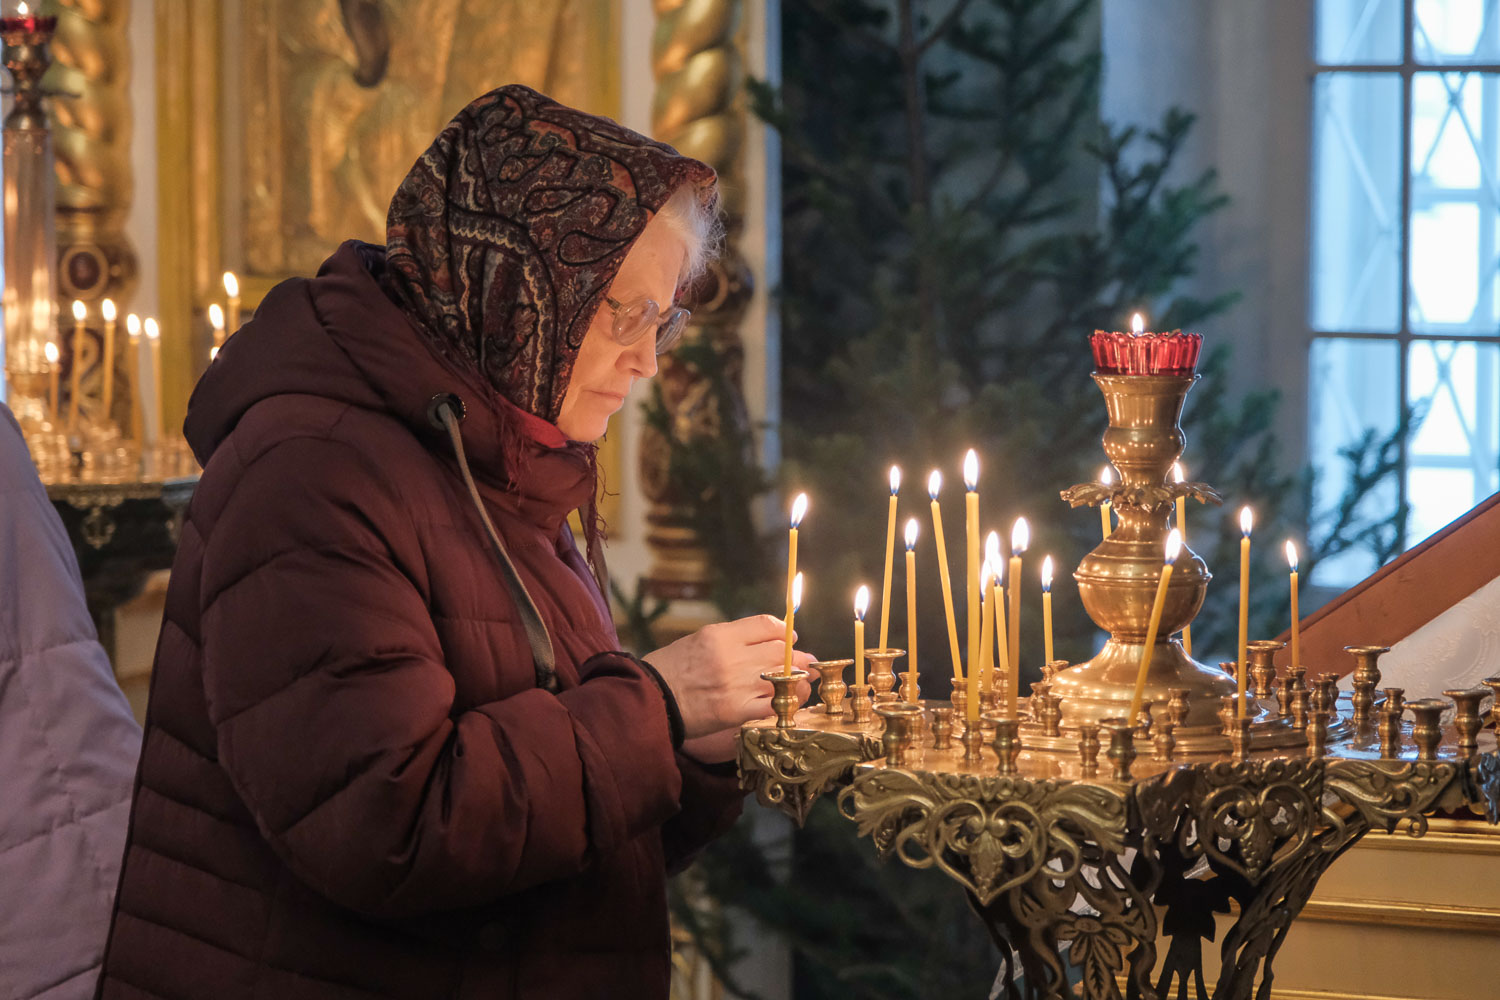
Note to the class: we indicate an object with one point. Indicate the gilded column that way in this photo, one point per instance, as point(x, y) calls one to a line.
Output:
point(91, 75)
point(699, 108)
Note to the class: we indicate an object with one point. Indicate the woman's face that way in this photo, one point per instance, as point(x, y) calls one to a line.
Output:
point(605, 370)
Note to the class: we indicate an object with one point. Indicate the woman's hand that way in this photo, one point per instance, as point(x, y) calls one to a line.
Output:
point(715, 673)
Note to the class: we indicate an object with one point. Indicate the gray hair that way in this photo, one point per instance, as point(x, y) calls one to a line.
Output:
point(699, 228)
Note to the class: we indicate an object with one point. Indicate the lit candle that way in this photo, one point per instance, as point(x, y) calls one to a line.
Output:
point(153, 338)
point(935, 486)
point(1245, 522)
point(1291, 557)
point(1187, 630)
point(1002, 646)
point(971, 709)
point(890, 555)
point(133, 366)
point(911, 594)
point(799, 511)
point(1174, 546)
point(1107, 477)
point(232, 289)
point(971, 539)
point(216, 320)
point(1020, 538)
point(987, 624)
point(861, 605)
point(54, 360)
point(107, 310)
point(80, 313)
point(1047, 607)
point(1137, 324)
point(213, 355)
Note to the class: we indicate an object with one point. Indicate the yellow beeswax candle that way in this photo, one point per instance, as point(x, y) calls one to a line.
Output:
point(153, 340)
point(971, 549)
point(133, 366)
point(1047, 607)
point(911, 595)
point(1174, 546)
point(1106, 477)
point(80, 314)
point(890, 554)
point(1020, 538)
point(794, 601)
point(1245, 522)
point(54, 365)
point(799, 511)
point(216, 320)
point(232, 290)
point(1291, 557)
point(1002, 646)
point(1177, 473)
point(107, 310)
point(861, 605)
point(934, 487)
point(995, 564)
point(987, 625)
point(976, 669)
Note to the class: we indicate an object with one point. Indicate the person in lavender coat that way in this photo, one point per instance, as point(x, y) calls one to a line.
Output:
point(68, 749)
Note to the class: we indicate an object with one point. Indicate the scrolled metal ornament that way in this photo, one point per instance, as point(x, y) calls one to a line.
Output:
point(788, 769)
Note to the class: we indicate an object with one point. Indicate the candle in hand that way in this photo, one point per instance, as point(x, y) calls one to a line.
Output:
point(216, 320)
point(793, 602)
point(1174, 546)
point(1291, 557)
point(80, 313)
point(1239, 664)
point(54, 362)
point(1020, 538)
point(911, 595)
point(935, 486)
point(133, 366)
point(861, 605)
point(1047, 607)
point(1107, 477)
point(153, 339)
point(890, 553)
point(232, 289)
point(799, 511)
point(107, 310)
point(1187, 631)
point(971, 548)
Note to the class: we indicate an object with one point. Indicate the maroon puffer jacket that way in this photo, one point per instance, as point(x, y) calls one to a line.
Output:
point(351, 785)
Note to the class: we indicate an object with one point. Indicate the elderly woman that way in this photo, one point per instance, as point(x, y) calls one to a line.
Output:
point(392, 749)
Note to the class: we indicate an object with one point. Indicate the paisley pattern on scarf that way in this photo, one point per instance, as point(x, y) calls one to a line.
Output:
point(505, 236)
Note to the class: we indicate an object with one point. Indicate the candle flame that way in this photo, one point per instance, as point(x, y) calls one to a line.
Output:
point(1291, 554)
point(152, 330)
point(799, 509)
point(934, 484)
point(1107, 475)
point(216, 316)
point(1177, 475)
point(80, 311)
point(107, 310)
point(231, 285)
point(1246, 519)
point(1020, 537)
point(992, 546)
point(895, 479)
point(971, 471)
point(51, 351)
point(133, 325)
point(861, 601)
point(797, 593)
point(1174, 545)
point(1046, 574)
point(986, 574)
point(1137, 323)
point(213, 354)
point(21, 9)
point(911, 534)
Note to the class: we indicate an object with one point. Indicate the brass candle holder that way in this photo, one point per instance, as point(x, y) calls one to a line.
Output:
point(1007, 741)
point(882, 673)
point(784, 698)
point(1467, 723)
point(1121, 752)
point(860, 704)
point(1493, 683)
point(1262, 667)
point(897, 742)
point(831, 685)
point(1427, 730)
point(941, 725)
point(1366, 679)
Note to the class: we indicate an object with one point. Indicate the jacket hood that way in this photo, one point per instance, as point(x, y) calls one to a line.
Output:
point(339, 337)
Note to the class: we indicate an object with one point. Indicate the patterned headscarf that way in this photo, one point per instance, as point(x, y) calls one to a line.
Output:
point(503, 239)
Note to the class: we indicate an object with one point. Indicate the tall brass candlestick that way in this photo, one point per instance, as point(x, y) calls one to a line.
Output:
point(971, 548)
point(793, 589)
point(911, 595)
point(107, 310)
point(80, 314)
point(1245, 522)
point(935, 486)
point(890, 554)
point(1020, 539)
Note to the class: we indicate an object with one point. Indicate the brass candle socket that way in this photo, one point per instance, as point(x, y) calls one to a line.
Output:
point(860, 704)
point(831, 686)
point(1427, 729)
point(941, 723)
point(1088, 749)
point(882, 675)
point(972, 741)
point(1117, 581)
point(1239, 738)
point(1388, 729)
point(1366, 679)
point(1050, 669)
point(1466, 722)
point(1395, 700)
point(1121, 752)
point(1301, 706)
point(896, 742)
point(1493, 683)
point(1262, 668)
point(910, 691)
point(784, 700)
point(1164, 742)
point(1143, 721)
point(1007, 741)
point(1228, 709)
point(959, 699)
point(1046, 708)
point(1177, 706)
point(1317, 732)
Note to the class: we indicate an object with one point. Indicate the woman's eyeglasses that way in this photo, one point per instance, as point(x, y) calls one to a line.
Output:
point(634, 318)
